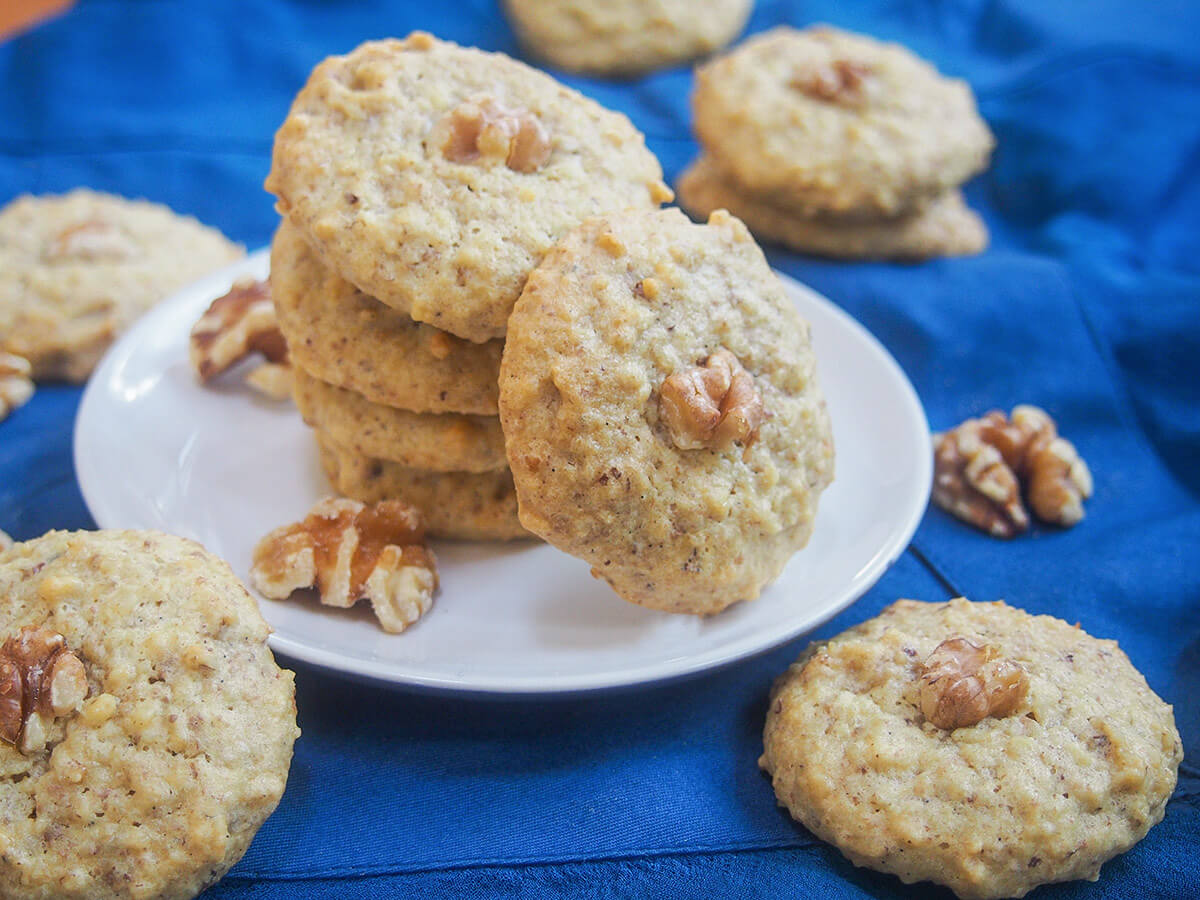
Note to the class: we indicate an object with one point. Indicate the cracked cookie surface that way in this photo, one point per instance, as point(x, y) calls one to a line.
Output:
point(159, 780)
point(1077, 772)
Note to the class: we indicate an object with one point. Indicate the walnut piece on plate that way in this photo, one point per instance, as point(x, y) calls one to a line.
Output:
point(40, 680)
point(237, 325)
point(349, 551)
point(984, 467)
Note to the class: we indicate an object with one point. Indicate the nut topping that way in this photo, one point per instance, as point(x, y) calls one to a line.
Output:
point(963, 683)
point(93, 240)
point(839, 81)
point(981, 466)
point(711, 405)
point(481, 129)
point(16, 382)
point(40, 680)
point(349, 551)
point(236, 325)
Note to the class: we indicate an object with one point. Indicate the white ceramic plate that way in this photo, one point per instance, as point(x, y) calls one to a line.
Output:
point(223, 466)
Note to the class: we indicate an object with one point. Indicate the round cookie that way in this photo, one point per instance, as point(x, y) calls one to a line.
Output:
point(434, 177)
point(440, 442)
point(156, 782)
point(345, 338)
point(626, 36)
point(471, 506)
point(946, 227)
point(825, 121)
point(77, 268)
point(612, 327)
point(1077, 772)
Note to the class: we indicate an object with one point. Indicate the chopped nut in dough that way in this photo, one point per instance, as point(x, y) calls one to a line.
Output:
point(982, 467)
point(91, 241)
point(349, 551)
point(963, 683)
point(482, 129)
point(712, 405)
point(236, 325)
point(16, 382)
point(839, 81)
point(40, 680)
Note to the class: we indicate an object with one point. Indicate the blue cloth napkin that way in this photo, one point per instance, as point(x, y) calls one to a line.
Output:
point(1087, 303)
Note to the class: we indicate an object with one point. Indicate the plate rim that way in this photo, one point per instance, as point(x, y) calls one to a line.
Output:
point(644, 675)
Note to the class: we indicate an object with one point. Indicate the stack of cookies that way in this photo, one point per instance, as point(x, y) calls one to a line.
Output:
point(836, 144)
point(420, 183)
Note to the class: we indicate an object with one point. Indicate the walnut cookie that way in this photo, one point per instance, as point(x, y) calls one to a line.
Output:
point(76, 269)
point(338, 334)
point(825, 121)
point(661, 410)
point(469, 506)
point(434, 177)
point(145, 729)
point(946, 227)
point(444, 442)
point(625, 37)
point(973, 745)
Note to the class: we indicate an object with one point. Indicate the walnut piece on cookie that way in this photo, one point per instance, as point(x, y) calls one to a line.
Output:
point(237, 325)
point(973, 745)
point(982, 467)
point(349, 551)
point(145, 729)
point(16, 382)
point(661, 410)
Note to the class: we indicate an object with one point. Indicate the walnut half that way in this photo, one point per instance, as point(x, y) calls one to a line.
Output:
point(483, 130)
point(712, 405)
point(349, 551)
point(963, 683)
point(983, 466)
point(40, 680)
point(237, 325)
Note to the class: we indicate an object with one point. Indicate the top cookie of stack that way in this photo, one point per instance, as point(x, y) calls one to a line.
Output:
point(434, 177)
point(838, 144)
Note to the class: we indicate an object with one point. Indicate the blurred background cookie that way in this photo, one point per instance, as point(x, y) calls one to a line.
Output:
point(625, 37)
point(76, 269)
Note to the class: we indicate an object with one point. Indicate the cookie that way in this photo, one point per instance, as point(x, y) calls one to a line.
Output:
point(172, 735)
point(1074, 764)
point(473, 506)
point(78, 268)
point(440, 442)
point(434, 177)
point(345, 338)
point(659, 400)
point(946, 227)
point(825, 121)
point(627, 36)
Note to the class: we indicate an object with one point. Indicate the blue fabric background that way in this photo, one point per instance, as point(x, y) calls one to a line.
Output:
point(1086, 303)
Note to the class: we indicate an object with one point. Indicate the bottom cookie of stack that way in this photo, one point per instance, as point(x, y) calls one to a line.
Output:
point(461, 505)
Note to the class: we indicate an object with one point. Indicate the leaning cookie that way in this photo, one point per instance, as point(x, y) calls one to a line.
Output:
point(146, 731)
point(456, 170)
point(826, 121)
point(973, 745)
point(441, 442)
point(661, 410)
point(625, 37)
point(946, 227)
point(77, 269)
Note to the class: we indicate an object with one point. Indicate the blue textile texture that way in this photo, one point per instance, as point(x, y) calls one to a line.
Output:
point(1087, 303)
